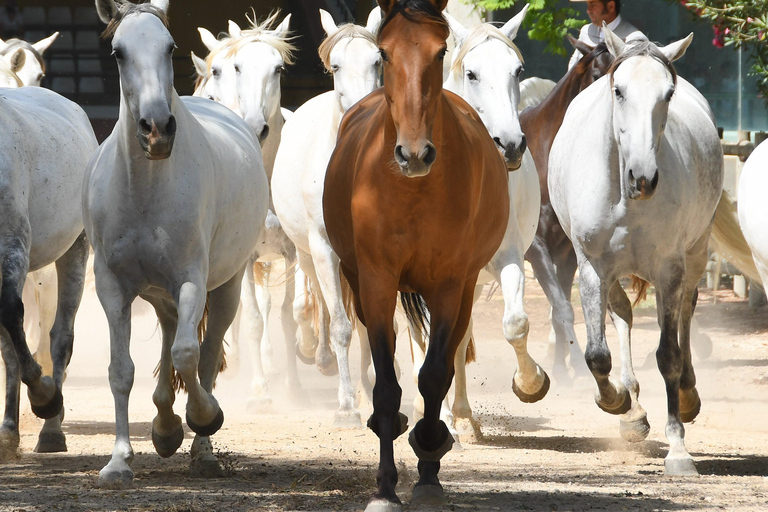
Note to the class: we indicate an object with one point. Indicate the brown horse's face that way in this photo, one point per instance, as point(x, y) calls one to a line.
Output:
point(412, 55)
point(597, 67)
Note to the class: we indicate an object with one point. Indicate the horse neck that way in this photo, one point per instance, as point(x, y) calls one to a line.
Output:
point(271, 143)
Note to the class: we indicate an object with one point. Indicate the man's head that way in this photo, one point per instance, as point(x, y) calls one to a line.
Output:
point(600, 11)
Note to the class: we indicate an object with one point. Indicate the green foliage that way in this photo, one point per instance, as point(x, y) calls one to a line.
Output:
point(545, 21)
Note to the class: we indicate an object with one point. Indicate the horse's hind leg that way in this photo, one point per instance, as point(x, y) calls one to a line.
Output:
point(464, 424)
point(669, 298)
point(221, 310)
point(70, 272)
point(566, 266)
point(634, 425)
point(288, 322)
point(264, 303)
point(9, 429)
point(252, 326)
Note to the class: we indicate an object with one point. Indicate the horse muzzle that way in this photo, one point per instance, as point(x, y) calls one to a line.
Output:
point(156, 139)
point(415, 164)
point(642, 187)
point(512, 153)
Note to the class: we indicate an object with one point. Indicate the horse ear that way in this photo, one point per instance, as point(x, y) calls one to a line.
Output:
point(201, 68)
point(583, 47)
point(233, 29)
point(106, 10)
point(460, 33)
point(439, 4)
point(18, 59)
point(209, 40)
point(387, 5)
point(43, 44)
point(674, 51)
point(326, 20)
point(374, 20)
point(613, 42)
point(161, 4)
point(511, 27)
point(284, 27)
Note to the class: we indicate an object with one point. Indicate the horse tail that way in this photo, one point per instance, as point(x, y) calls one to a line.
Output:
point(640, 287)
point(311, 296)
point(260, 273)
point(471, 356)
point(728, 240)
point(416, 311)
point(348, 298)
point(177, 383)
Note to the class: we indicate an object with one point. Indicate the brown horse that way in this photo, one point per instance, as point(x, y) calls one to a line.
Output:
point(415, 200)
point(551, 254)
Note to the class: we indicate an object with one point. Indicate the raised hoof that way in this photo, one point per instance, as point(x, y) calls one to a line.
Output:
point(535, 397)
point(51, 442)
point(680, 467)
point(468, 430)
point(52, 408)
point(165, 446)
point(328, 366)
point(347, 419)
point(211, 428)
point(702, 345)
point(381, 505)
point(635, 431)
point(434, 455)
point(428, 494)
point(205, 467)
point(304, 358)
point(624, 406)
point(692, 405)
point(9, 444)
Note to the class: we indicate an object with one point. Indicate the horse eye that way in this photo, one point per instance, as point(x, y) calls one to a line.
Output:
point(215, 72)
point(279, 69)
point(519, 71)
point(442, 53)
point(334, 68)
point(237, 69)
point(384, 55)
point(472, 77)
point(171, 48)
point(618, 93)
point(117, 53)
point(668, 95)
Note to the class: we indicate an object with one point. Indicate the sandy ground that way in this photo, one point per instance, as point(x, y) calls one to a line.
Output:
point(562, 453)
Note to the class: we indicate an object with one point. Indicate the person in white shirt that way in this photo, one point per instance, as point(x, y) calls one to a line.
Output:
point(599, 11)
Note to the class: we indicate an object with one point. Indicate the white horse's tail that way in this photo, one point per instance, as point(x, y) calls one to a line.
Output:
point(728, 240)
point(533, 91)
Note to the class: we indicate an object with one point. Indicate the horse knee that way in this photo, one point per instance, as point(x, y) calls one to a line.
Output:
point(432, 380)
point(341, 332)
point(185, 357)
point(515, 327)
point(598, 359)
point(669, 360)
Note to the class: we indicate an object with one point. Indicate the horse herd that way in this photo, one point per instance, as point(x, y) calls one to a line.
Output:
point(421, 187)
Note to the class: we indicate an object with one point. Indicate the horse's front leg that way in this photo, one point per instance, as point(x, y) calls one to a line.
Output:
point(264, 303)
point(530, 382)
point(204, 416)
point(669, 298)
point(633, 424)
point(222, 306)
point(9, 429)
point(117, 308)
point(294, 276)
point(253, 325)
point(612, 397)
point(70, 272)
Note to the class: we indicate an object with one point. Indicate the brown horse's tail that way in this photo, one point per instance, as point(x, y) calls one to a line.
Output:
point(640, 287)
point(471, 355)
point(417, 313)
point(176, 381)
point(348, 299)
point(728, 240)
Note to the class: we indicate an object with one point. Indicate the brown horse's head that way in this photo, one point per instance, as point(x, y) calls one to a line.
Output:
point(412, 44)
point(595, 63)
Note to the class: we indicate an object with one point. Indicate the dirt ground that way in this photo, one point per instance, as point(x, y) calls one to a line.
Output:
point(559, 454)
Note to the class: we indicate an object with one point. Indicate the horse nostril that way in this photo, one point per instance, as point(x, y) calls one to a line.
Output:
point(144, 125)
point(655, 180)
point(400, 157)
point(170, 128)
point(631, 177)
point(523, 145)
point(264, 133)
point(498, 143)
point(428, 155)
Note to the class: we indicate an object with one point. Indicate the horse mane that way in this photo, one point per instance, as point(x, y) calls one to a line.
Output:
point(642, 48)
point(480, 34)
point(126, 8)
point(258, 33)
point(417, 11)
point(5, 70)
point(346, 31)
point(13, 44)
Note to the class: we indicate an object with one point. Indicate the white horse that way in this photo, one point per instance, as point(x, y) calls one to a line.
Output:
point(174, 202)
point(242, 71)
point(45, 144)
point(636, 193)
point(33, 70)
point(350, 53)
point(753, 209)
point(485, 71)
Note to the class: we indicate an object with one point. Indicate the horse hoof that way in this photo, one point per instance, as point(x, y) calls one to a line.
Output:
point(468, 430)
point(703, 346)
point(625, 403)
point(52, 408)
point(347, 419)
point(9, 444)
point(303, 357)
point(381, 505)
point(635, 431)
point(428, 494)
point(211, 428)
point(51, 442)
point(434, 455)
point(680, 467)
point(328, 366)
point(205, 467)
point(165, 446)
point(535, 397)
point(690, 405)
point(119, 477)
